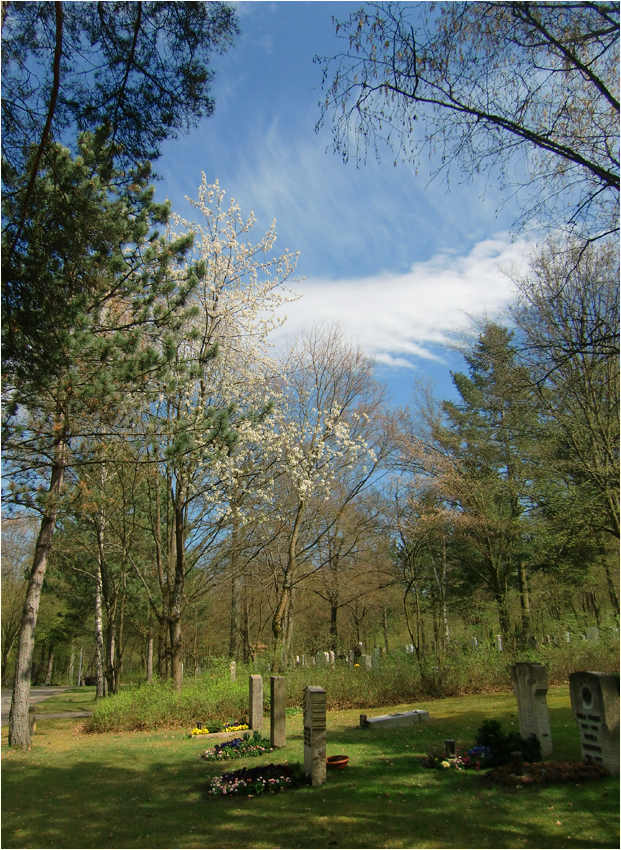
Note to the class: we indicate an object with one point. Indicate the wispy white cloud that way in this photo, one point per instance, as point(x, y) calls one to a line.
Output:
point(400, 319)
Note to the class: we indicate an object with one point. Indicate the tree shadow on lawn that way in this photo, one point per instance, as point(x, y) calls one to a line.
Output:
point(392, 801)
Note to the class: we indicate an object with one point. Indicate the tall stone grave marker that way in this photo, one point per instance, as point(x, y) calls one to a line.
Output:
point(233, 671)
point(315, 734)
point(595, 705)
point(255, 707)
point(530, 686)
point(278, 694)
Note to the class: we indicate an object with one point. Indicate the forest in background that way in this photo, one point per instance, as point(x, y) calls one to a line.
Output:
point(245, 505)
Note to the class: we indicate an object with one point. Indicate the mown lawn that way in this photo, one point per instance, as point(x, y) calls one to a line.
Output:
point(148, 789)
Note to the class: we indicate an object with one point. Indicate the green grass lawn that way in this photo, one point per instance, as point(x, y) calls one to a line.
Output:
point(148, 789)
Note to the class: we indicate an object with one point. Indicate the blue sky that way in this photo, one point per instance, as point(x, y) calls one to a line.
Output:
point(398, 261)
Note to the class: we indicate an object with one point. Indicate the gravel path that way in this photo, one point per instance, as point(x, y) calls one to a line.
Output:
point(39, 694)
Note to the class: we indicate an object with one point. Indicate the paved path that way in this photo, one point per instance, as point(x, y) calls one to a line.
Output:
point(40, 693)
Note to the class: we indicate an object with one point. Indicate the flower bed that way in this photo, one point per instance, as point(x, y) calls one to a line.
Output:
point(238, 748)
point(267, 779)
point(477, 758)
point(214, 728)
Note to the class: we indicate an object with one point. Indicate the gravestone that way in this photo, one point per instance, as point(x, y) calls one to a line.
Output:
point(278, 695)
point(474, 642)
point(233, 671)
point(332, 658)
point(595, 705)
point(365, 661)
point(567, 637)
point(499, 643)
point(530, 686)
point(396, 720)
point(592, 633)
point(315, 734)
point(255, 708)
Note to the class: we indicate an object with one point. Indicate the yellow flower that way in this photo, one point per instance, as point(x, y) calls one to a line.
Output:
point(356, 665)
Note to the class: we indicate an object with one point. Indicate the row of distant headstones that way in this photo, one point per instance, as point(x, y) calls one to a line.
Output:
point(367, 661)
point(594, 701)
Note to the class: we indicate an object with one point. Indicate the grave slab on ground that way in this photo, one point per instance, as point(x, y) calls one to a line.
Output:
point(396, 720)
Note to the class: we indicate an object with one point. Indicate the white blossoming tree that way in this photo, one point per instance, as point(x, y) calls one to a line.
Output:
point(195, 427)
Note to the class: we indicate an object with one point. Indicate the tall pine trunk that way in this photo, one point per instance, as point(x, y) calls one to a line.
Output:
point(19, 726)
point(174, 612)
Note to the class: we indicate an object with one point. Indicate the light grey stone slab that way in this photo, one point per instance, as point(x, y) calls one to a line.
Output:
point(255, 702)
point(398, 720)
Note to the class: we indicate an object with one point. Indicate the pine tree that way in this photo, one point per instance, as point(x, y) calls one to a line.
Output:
point(105, 257)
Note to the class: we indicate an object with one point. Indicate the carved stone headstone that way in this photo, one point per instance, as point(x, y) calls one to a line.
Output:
point(278, 695)
point(315, 734)
point(499, 643)
point(474, 642)
point(233, 671)
point(595, 705)
point(255, 707)
point(530, 686)
point(592, 633)
point(365, 661)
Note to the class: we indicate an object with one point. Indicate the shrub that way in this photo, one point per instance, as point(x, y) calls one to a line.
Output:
point(502, 744)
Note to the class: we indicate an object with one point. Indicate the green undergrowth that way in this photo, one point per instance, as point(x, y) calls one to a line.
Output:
point(213, 698)
point(149, 789)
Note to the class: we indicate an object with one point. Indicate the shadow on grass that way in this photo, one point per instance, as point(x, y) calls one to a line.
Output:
point(148, 790)
point(378, 801)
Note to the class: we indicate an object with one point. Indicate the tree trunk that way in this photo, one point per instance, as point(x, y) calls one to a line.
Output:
point(235, 616)
point(50, 667)
point(99, 640)
point(150, 658)
point(236, 581)
point(245, 626)
point(385, 626)
point(110, 671)
point(524, 601)
point(289, 629)
point(612, 591)
point(333, 627)
point(119, 645)
point(174, 614)
point(19, 725)
point(278, 620)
